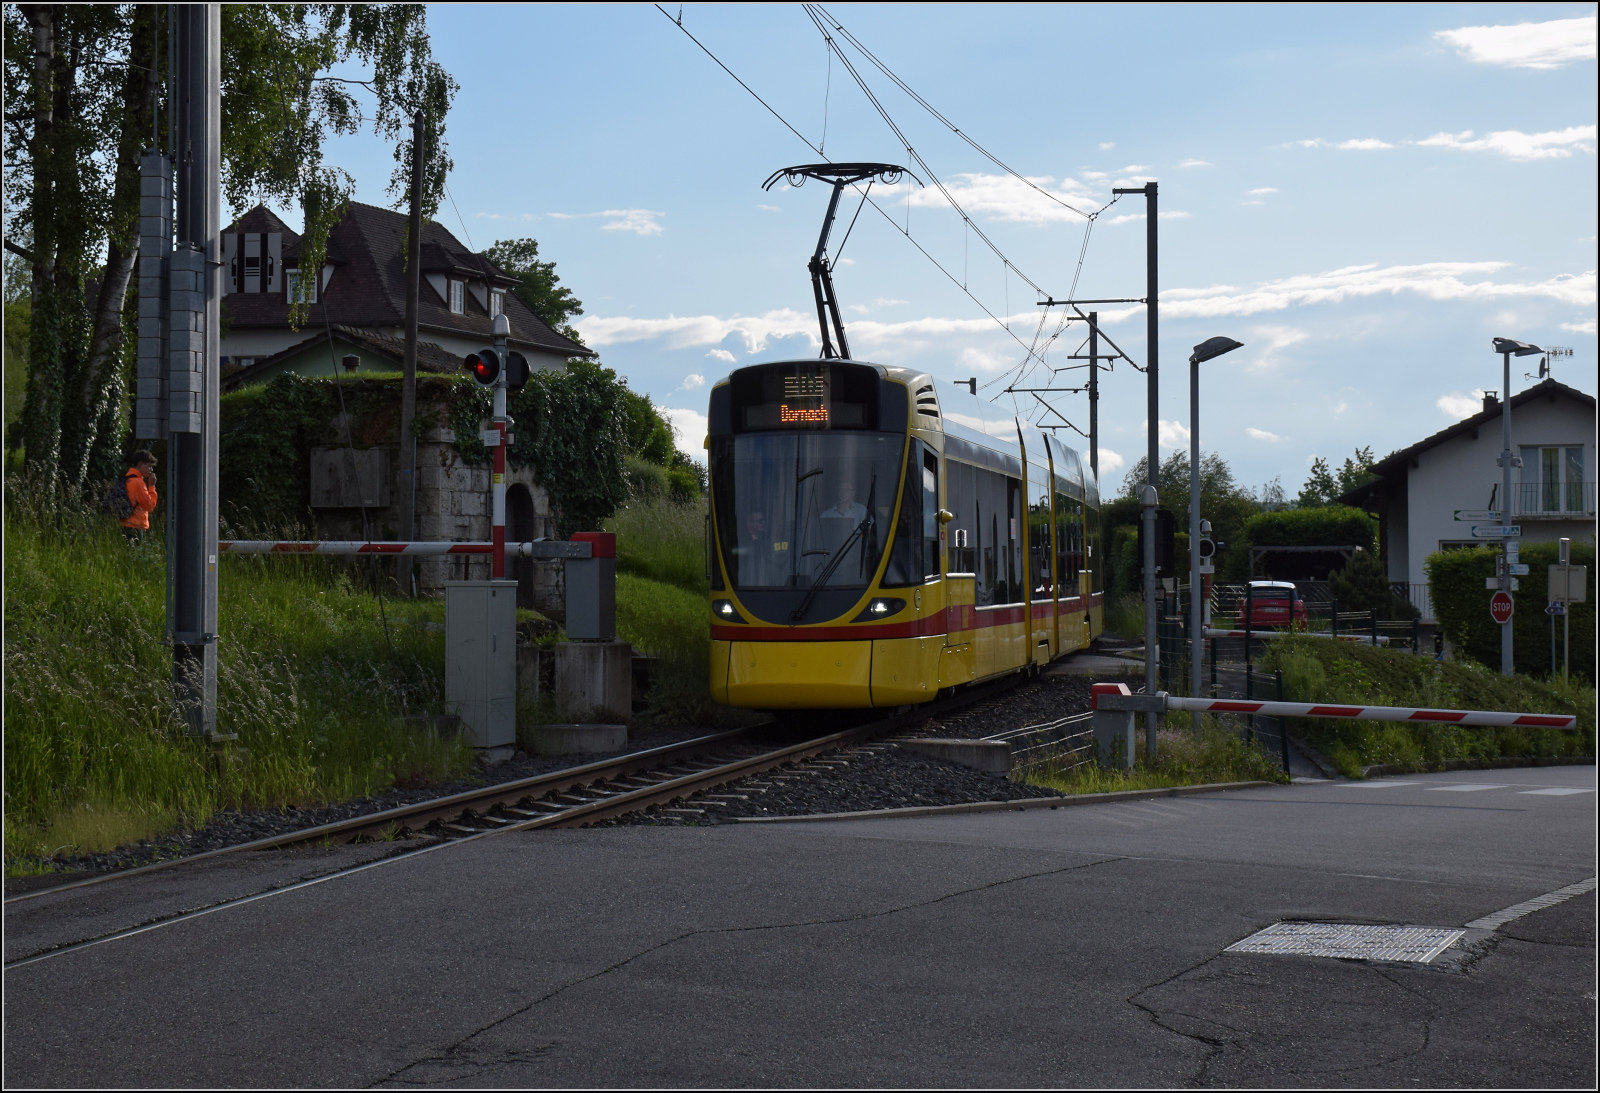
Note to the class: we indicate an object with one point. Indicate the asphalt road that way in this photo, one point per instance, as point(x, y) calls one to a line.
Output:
point(1079, 946)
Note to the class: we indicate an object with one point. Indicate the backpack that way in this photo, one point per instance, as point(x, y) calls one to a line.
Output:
point(116, 502)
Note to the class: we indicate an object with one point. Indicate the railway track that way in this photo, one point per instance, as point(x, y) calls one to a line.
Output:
point(572, 797)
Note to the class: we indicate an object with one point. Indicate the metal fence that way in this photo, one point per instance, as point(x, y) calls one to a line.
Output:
point(1068, 742)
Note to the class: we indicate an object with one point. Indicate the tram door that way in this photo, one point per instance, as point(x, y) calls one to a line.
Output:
point(1041, 584)
point(958, 664)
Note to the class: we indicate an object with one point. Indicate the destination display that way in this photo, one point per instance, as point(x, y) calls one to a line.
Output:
point(820, 396)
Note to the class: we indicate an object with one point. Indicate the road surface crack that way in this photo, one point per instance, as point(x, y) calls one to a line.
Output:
point(459, 1060)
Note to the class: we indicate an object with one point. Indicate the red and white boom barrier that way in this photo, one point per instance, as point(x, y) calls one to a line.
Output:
point(1116, 696)
point(544, 548)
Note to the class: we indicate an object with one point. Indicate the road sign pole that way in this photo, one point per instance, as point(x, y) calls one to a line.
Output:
point(1507, 509)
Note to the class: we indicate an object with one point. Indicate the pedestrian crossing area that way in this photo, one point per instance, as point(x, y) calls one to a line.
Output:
point(1523, 788)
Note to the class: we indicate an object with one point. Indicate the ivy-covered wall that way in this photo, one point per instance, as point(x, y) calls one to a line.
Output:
point(572, 429)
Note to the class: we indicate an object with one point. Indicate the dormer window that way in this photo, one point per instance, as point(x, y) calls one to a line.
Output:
point(292, 279)
point(458, 298)
point(497, 303)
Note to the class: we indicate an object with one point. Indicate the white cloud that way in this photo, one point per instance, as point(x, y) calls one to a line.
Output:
point(888, 301)
point(1526, 45)
point(1267, 342)
point(1364, 144)
point(859, 309)
point(689, 429)
point(1003, 197)
point(694, 380)
point(1261, 434)
point(1264, 191)
point(1110, 462)
point(1513, 144)
point(769, 208)
point(1457, 406)
point(1432, 280)
point(639, 221)
point(1107, 145)
point(844, 261)
point(1133, 168)
point(722, 355)
point(1194, 163)
point(1175, 214)
point(1579, 328)
point(504, 216)
point(1171, 434)
point(1093, 175)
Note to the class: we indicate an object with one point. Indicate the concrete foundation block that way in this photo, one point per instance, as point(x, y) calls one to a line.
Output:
point(579, 739)
point(595, 679)
point(989, 756)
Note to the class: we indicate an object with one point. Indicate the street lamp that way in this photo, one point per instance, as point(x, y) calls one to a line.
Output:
point(1211, 347)
point(1507, 348)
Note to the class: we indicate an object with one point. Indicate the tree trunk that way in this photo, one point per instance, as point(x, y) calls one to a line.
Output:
point(86, 403)
point(41, 413)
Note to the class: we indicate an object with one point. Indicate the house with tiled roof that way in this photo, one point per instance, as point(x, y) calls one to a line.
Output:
point(358, 304)
point(1424, 494)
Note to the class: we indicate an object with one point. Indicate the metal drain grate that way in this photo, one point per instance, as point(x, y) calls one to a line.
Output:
point(1416, 944)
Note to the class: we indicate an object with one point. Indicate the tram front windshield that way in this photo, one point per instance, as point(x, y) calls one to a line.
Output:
point(803, 510)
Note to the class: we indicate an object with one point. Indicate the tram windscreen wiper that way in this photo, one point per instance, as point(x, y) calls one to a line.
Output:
point(821, 579)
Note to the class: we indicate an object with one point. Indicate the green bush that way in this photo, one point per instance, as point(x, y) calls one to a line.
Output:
point(1362, 585)
point(1322, 670)
point(1461, 604)
point(1332, 525)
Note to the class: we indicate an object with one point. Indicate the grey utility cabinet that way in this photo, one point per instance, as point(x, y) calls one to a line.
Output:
point(480, 670)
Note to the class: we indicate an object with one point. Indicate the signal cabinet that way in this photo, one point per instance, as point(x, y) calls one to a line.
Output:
point(480, 670)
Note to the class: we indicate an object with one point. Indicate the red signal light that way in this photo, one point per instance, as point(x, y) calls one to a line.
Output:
point(483, 366)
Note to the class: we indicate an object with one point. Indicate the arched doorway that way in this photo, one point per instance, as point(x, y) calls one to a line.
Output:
point(522, 524)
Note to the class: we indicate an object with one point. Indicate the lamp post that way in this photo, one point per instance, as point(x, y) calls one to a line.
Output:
point(1206, 350)
point(1507, 348)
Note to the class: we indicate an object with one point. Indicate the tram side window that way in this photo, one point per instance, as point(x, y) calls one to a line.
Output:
point(1069, 539)
point(961, 535)
point(1039, 537)
point(999, 538)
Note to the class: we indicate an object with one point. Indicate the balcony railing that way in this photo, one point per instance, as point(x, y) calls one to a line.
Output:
point(1553, 500)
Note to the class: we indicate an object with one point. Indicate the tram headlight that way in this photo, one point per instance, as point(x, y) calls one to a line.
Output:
point(724, 611)
point(881, 607)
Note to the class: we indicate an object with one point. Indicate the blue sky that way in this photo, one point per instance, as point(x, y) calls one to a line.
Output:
point(1363, 195)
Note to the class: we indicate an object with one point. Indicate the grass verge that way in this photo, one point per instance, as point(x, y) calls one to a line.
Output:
point(1321, 670)
point(95, 755)
point(1184, 757)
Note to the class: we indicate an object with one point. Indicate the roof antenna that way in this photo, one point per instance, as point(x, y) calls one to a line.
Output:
point(839, 175)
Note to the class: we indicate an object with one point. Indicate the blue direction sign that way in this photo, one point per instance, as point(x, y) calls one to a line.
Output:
point(1496, 531)
point(1468, 515)
point(1556, 607)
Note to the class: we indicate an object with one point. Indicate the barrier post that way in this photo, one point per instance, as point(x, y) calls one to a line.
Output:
point(1283, 726)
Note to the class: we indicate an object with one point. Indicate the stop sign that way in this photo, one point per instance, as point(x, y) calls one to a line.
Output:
point(1500, 606)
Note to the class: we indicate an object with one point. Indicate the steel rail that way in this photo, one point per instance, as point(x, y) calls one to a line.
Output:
point(423, 813)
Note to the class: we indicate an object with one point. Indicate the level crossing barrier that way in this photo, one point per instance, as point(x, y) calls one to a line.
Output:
point(539, 548)
point(1115, 707)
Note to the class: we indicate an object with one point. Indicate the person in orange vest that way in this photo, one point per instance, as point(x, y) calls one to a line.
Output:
point(140, 482)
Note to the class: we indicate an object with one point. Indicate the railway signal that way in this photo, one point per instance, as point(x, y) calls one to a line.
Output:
point(517, 371)
point(483, 366)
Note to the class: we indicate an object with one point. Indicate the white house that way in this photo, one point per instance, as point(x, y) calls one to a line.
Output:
point(1420, 488)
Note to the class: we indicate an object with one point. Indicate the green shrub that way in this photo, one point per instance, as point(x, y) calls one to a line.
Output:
point(1362, 585)
point(1461, 603)
point(1322, 670)
point(1331, 525)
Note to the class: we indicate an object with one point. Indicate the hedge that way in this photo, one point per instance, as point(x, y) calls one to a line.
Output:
point(1331, 525)
point(1461, 604)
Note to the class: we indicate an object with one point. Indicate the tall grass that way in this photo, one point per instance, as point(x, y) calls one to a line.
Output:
point(664, 541)
point(95, 755)
point(1184, 757)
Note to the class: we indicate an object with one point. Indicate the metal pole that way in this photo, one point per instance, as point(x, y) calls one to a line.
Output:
point(1508, 511)
point(1195, 623)
point(195, 376)
point(1148, 500)
point(502, 330)
point(1094, 394)
point(408, 390)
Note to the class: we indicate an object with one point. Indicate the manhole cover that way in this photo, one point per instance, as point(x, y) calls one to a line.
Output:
point(1417, 944)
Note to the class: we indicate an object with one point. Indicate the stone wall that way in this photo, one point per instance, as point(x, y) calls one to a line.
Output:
point(453, 505)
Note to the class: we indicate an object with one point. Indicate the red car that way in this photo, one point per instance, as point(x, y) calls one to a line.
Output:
point(1271, 603)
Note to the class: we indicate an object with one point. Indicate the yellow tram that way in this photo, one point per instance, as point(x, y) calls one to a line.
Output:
point(873, 542)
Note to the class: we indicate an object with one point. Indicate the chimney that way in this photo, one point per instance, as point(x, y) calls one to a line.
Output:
point(1491, 399)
